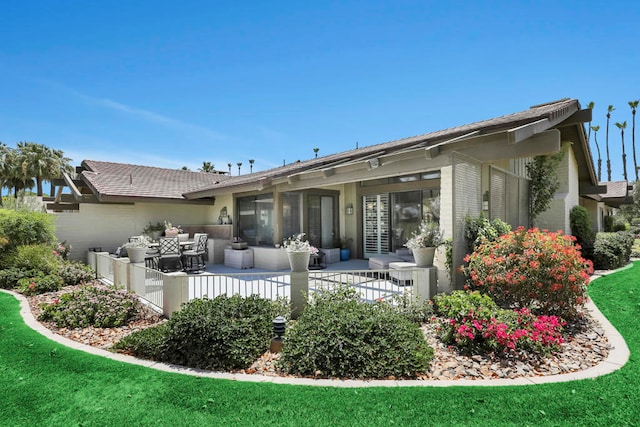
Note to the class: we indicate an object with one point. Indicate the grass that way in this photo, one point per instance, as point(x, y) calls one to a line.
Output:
point(44, 383)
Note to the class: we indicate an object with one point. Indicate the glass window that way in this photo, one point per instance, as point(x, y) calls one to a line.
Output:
point(291, 214)
point(255, 219)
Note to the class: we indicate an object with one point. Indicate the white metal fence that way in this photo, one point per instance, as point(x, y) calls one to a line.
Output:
point(168, 291)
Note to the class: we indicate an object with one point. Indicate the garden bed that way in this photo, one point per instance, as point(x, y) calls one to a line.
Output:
point(585, 346)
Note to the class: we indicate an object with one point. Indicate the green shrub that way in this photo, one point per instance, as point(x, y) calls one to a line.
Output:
point(582, 229)
point(459, 303)
point(479, 230)
point(407, 306)
point(74, 273)
point(339, 335)
point(26, 228)
point(39, 284)
point(619, 225)
point(612, 250)
point(149, 343)
point(9, 277)
point(99, 306)
point(608, 224)
point(34, 257)
point(541, 271)
point(222, 333)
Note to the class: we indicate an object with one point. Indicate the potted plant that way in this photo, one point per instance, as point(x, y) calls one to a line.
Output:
point(170, 230)
point(299, 251)
point(424, 242)
point(137, 248)
point(238, 244)
point(345, 252)
point(153, 231)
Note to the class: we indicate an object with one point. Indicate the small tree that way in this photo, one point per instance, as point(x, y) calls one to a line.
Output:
point(622, 126)
point(207, 167)
point(543, 184)
point(610, 109)
point(634, 106)
point(595, 138)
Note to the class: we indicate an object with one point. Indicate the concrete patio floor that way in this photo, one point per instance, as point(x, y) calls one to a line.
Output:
point(350, 265)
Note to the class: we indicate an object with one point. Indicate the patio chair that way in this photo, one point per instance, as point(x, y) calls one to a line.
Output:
point(198, 254)
point(170, 258)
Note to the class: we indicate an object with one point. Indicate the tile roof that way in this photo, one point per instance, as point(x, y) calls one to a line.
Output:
point(109, 179)
point(615, 189)
point(120, 180)
point(551, 111)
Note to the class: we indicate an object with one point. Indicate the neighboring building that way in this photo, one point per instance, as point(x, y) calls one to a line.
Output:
point(374, 197)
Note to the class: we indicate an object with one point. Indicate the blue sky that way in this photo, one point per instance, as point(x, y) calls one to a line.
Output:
point(174, 84)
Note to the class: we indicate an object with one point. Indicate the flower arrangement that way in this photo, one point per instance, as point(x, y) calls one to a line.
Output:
point(296, 243)
point(138, 242)
point(171, 229)
point(427, 236)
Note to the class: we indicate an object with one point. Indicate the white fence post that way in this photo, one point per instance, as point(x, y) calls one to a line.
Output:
point(426, 283)
point(104, 266)
point(120, 273)
point(175, 291)
point(137, 278)
point(299, 292)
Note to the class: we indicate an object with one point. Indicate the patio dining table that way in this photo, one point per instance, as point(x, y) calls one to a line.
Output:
point(184, 244)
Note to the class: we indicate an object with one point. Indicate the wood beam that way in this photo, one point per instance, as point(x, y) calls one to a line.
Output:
point(579, 117)
point(523, 132)
point(543, 143)
point(63, 207)
point(587, 188)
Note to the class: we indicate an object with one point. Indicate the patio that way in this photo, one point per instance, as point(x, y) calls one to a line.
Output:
point(168, 291)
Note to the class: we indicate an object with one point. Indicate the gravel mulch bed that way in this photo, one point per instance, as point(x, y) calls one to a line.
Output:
point(586, 346)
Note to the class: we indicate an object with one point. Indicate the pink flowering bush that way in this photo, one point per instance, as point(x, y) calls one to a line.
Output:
point(485, 328)
point(532, 269)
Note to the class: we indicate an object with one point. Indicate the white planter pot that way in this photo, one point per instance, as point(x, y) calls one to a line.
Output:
point(136, 255)
point(424, 256)
point(299, 261)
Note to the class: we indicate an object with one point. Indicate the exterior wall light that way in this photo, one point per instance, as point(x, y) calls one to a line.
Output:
point(349, 209)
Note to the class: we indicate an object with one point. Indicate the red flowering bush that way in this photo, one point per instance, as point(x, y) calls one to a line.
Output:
point(487, 328)
point(539, 270)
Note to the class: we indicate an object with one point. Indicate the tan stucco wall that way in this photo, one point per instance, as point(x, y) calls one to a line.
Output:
point(446, 224)
point(108, 226)
point(567, 196)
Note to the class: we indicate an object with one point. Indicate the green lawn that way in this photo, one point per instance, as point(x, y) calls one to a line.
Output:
point(44, 383)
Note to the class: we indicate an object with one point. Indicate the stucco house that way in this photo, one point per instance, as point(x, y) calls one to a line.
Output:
point(370, 198)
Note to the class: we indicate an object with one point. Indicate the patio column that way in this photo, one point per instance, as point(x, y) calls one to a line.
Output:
point(426, 283)
point(299, 292)
point(175, 291)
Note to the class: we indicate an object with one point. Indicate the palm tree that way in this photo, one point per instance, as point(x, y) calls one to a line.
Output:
point(42, 163)
point(315, 150)
point(229, 165)
point(251, 165)
point(622, 127)
point(610, 109)
point(239, 166)
point(12, 172)
point(595, 130)
point(207, 167)
point(590, 107)
point(634, 106)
